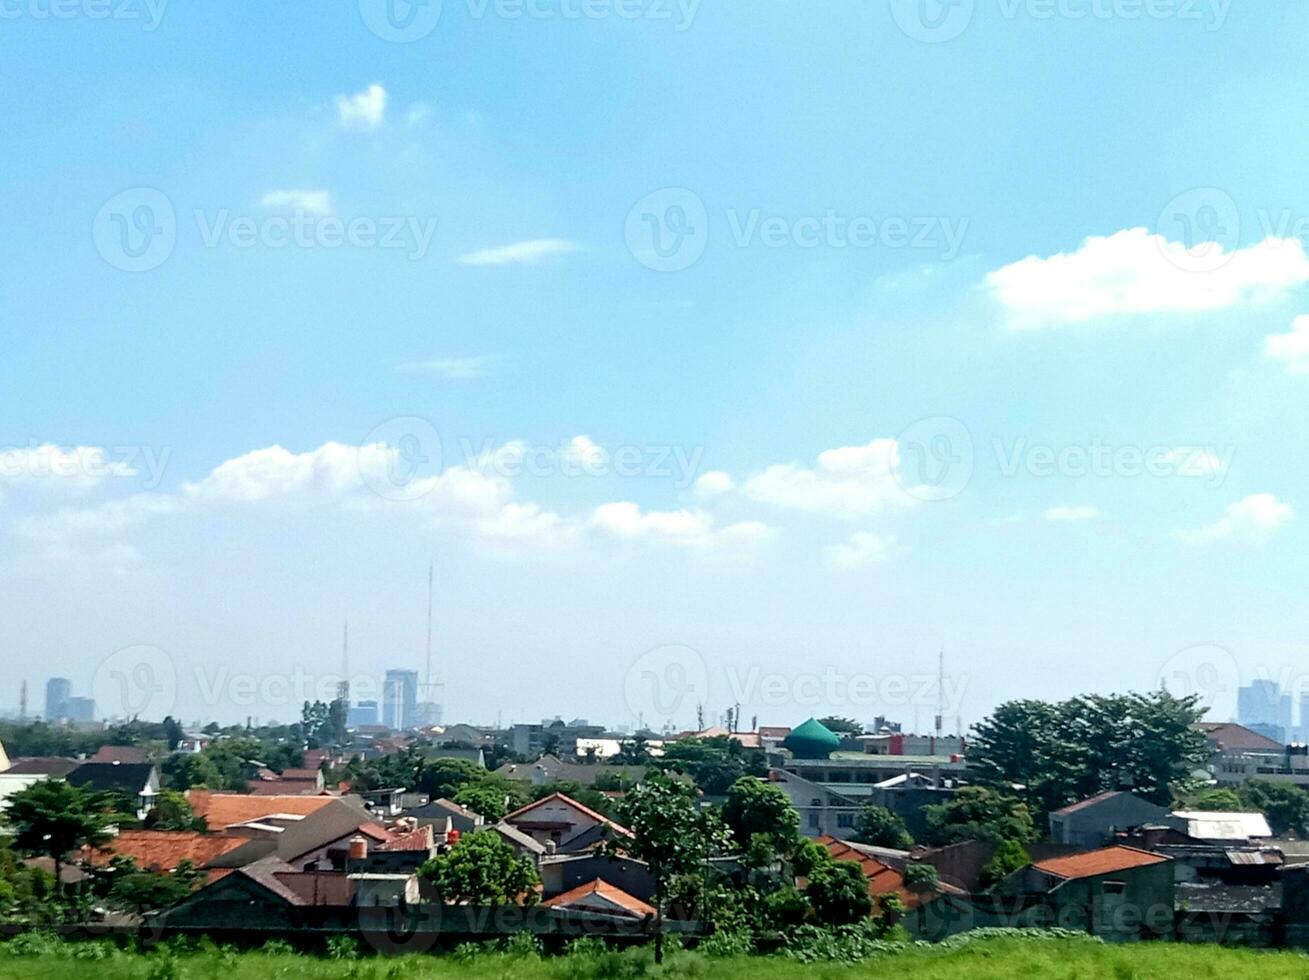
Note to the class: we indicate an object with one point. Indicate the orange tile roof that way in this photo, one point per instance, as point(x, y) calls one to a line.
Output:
point(1106, 860)
point(164, 850)
point(415, 840)
point(605, 890)
point(221, 810)
point(882, 878)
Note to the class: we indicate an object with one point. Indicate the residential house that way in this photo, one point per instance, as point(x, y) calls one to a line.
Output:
point(562, 824)
point(289, 782)
point(132, 754)
point(163, 850)
point(523, 844)
point(136, 781)
point(1115, 892)
point(469, 753)
point(601, 897)
point(438, 811)
point(221, 810)
point(54, 766)
point(884, 868)
point(1220, 827)
point(1093, 822)
point(564, 872)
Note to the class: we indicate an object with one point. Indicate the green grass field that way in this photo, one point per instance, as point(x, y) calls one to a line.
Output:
point(981, 959)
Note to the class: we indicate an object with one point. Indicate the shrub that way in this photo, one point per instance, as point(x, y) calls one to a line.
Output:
point(727, 942)
point(342, 947)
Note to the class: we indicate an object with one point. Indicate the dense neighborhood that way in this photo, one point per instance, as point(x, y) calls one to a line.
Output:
point(1126, 818)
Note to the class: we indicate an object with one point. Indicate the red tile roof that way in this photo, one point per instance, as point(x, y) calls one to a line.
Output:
point(221, 810)
point(579, 895)
point(420, 839)
point(164, 850)
point(1233, 737)
point(1106, 860)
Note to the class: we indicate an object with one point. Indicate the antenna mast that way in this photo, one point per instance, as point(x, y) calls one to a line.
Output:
point(431, 572)
point(343, 688)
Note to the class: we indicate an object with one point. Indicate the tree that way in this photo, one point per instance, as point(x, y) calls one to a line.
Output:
point(1053, 754)
point(1008, 858)
point(145, 891)
point(634, 751)
point(1210, 798)
point(841, 726)
point(1285, 805)
point(483, 799)
point(980, 813)
point(54, 818)
point(185, 770)
point(670, 835)
point(482, 869)
point(880, 827)
point(838, 892)
point(761, 818)
point(713, 763)
point(443, 777)
point(172, 812)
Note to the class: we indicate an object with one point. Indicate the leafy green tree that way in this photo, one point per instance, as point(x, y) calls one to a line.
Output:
point(880, 827)
point(1008, 858)
point(1053, 754)
point(186, 770)
point(841, 726)
point(483, 799)
point(670, 834)
point(444, 777)
point(785, 908)
point(634, 751)
point(980, 813)
point(1285, 805)
point(1210, 798)
point(145, 891)
point(838, 892)
point(761, 818)
point(173, 812)
point(921, 875)
point(482, 869)
point(54, 818)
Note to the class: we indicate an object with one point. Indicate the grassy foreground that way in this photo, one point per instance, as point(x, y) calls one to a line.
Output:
point(990, 957)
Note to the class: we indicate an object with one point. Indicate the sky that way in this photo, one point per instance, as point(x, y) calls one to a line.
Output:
point(711, 354)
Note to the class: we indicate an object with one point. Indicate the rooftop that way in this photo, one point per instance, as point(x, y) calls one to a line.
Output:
point(1106, 860)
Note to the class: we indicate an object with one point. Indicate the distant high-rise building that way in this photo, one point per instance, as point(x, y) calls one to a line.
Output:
point(400, 699)
point(57, 692)
point(80, 709)
point(1261, 706)
point(362, 713)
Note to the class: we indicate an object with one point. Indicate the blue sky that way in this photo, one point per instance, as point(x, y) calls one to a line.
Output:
point(705, 348)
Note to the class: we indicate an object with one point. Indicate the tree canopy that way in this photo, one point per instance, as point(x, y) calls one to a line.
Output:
point(482, 869)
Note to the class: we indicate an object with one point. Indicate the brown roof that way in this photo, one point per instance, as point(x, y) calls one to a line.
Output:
point(221, 810)
point(580, 807)
point(420, 839)
point(1230, 736)
point(118, 753)
point(882, 878)
point(164, 850)
point(1089, 801)
point(579, 895)
point(1106, 860)
point(42, 765)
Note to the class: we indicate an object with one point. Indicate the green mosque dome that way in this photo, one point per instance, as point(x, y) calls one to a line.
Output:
point(812, 740)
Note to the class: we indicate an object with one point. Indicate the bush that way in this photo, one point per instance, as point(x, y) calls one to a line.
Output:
point(277, 947)
point(727, 942)
point(342, 947)
point(843, 944)
point(922, 876)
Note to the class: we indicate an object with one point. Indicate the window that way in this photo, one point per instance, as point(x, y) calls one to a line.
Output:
point(845, 819)
point(1114, 887)
point(815, 820)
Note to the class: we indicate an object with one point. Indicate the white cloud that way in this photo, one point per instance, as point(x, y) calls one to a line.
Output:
point(1292, 349)
point(453, 368)
point(1249, 520)
point(848, 482)
point(582, 456)
point(522, 253)
point(863, 548)
point(363, 110)
point(715, 483)
point(310, 202)
point(106, 520)
point(1136, 272)
point(1073, 512)
point(56, 467)
point(626, 521)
